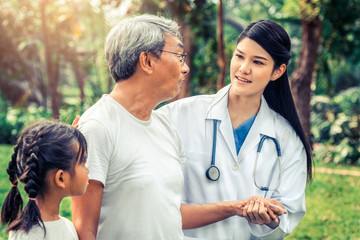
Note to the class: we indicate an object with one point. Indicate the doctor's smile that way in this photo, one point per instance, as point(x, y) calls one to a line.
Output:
point(244, 80)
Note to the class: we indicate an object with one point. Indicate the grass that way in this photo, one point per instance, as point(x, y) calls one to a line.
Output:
point(333, 208)
point(333, 204)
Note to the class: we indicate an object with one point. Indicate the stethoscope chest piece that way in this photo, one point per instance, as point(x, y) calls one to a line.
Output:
point(213, 173)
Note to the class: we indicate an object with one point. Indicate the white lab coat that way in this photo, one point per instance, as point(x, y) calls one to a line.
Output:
point(193, 117)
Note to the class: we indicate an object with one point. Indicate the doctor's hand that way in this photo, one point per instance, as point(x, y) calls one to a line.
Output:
point(256, 212)
point(274, 207)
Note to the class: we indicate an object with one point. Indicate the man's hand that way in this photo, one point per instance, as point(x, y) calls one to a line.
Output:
point(75, 123)
point(262, 211)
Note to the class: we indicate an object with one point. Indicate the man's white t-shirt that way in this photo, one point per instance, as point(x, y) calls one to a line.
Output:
point(62, 229)
point(140, 164)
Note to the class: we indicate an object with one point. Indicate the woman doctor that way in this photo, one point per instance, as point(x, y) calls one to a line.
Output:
point(222, 134)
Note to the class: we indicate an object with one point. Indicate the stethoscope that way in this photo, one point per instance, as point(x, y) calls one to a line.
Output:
point(213, 173)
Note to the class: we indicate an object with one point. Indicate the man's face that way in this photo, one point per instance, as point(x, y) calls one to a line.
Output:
point(171, 69)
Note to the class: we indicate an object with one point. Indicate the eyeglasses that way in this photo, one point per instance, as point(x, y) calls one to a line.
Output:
point(182, 55)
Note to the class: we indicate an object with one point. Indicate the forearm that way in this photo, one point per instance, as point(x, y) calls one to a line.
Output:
point(86, 211)
point(86, 235)
point(85, 225)
point(198, 215)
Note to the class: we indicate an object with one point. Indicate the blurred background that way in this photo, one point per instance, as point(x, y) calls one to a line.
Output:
point(52, 65)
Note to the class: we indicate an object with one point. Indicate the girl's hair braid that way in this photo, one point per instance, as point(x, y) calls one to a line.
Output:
point(13, 203)
point(32, 175)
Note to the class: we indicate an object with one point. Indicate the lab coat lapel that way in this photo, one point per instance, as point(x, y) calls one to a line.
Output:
point(263, 125)
point(227, 133)
point(218, 110)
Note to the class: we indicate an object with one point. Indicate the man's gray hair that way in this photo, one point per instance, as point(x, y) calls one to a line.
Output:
point(130, 37)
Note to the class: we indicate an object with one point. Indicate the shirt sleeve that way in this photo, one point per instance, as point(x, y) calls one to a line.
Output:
point(167, 112)
point(99, 148)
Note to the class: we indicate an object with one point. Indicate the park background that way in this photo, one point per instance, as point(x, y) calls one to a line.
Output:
point(52, 65)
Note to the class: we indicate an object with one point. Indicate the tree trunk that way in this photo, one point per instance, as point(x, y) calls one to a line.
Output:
point(80, 74)
point(52, 65)
point(302, 76)
point(221, 48)
point(187, 33)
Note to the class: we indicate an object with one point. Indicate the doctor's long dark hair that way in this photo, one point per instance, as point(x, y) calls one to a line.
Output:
point(274, 40)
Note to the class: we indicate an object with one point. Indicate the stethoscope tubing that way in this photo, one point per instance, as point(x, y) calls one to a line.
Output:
point(213, 173)
point(214, 143)
point(277, 145)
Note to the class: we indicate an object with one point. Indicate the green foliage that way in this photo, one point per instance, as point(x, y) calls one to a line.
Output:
point(340, 30)
point(5, 155)
point(8, 131)
point(338, 63)
point(335, 74)
point(336, 125)
point(204, 65)
point(14, 119)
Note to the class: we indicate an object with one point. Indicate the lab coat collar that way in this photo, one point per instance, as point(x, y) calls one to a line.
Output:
point(219, 106)
point(264, 121)
point(263, 124)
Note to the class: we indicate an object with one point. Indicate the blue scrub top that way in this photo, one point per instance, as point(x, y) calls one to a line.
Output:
point(242, 131)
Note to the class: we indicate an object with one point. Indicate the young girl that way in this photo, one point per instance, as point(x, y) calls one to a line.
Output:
point(246, 139)
point(49, 159)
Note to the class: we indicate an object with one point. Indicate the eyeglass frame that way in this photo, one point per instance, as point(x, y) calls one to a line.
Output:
point(183, 56)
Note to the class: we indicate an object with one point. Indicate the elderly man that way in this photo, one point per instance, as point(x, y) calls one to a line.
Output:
point(135, 156)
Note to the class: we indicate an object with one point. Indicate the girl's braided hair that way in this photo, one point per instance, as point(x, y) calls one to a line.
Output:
point(43, 146)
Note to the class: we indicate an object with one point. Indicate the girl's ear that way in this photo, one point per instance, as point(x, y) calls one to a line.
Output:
point(278, 72)
point(60, 178)
point(146, 62)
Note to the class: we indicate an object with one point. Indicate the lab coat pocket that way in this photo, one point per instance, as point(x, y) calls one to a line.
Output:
point(197, 188)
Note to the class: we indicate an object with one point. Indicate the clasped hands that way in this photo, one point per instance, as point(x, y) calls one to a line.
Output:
point(259, 210)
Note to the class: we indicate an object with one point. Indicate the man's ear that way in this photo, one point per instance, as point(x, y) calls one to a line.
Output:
point(278, 72)
point(60, 178)
point(146, 61)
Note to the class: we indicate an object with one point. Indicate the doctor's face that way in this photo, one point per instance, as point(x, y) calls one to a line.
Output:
point(251, 69)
